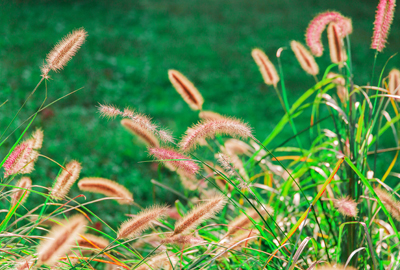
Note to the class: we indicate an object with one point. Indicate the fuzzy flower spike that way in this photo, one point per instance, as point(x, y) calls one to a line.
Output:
point(318, 25)
point(383, 20)
point(58, 58)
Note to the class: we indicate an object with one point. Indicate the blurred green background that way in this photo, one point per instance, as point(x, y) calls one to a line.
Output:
point(124, 62)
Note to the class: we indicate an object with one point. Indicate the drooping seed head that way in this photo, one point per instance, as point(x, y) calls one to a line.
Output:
point(66, 179)
point(318, 25)
point(17, 160)
point(306, 60)
point(59, 240)
point(58, 58)
point(200, 213)
point(394, 82)
point(186, 89)
point(106, 187)
point(346, 206)
point(336, 46)
point(24, 183)
point(267, 69)
point(143, 134)
point(178, 161)
point(209, 128)
point(389, 202)
point(141, 222)
point(383, 21)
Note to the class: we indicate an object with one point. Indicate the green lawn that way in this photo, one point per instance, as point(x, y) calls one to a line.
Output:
point(130, 47)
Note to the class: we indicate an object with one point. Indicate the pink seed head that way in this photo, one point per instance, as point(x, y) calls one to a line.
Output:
point(17, 159)
point(318, 25)
point(383, 20)
point(180, 162)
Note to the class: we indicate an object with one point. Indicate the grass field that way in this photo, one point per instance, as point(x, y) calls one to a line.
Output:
point(124, 62)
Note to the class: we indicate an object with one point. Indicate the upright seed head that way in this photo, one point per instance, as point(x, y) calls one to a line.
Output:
point(336, 45)
point(144, 135)
point(267, 69)
point(200, 213)
point(389, 202)
point(186, 89)
point(23, 183)
point(59, 240)
point(35, 143)
point(383, 21)
point(305, 58)
point(141, 222)
point(17, 160)
point(65, 50)
point(394, 82)
point(318, 25)
point(106, 187)
point(209, 128)
point(66, 179)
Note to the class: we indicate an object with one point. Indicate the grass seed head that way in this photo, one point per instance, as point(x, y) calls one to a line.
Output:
point(107, 188)
point(181, 163)
point(389, 202)
point(58, 58)
point(141, 222)
point(209, 128)
point(267, 69)
point(66, 179)
point(382, 23)
point(186, 89)
point(336, 45)
point(346, 206)
point(306, 60)
point(17, 160)
point(143, 134)
point(318, 25)
point(60, 239)
point(200, 213)
point(394, 82)
point(25, 183)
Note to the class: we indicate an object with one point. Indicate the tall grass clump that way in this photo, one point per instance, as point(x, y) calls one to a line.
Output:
point(315, 200)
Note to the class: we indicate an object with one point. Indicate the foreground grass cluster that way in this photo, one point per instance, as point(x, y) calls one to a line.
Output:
point(245, 205)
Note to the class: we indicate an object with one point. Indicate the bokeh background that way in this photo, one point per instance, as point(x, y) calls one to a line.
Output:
point(131, 46)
